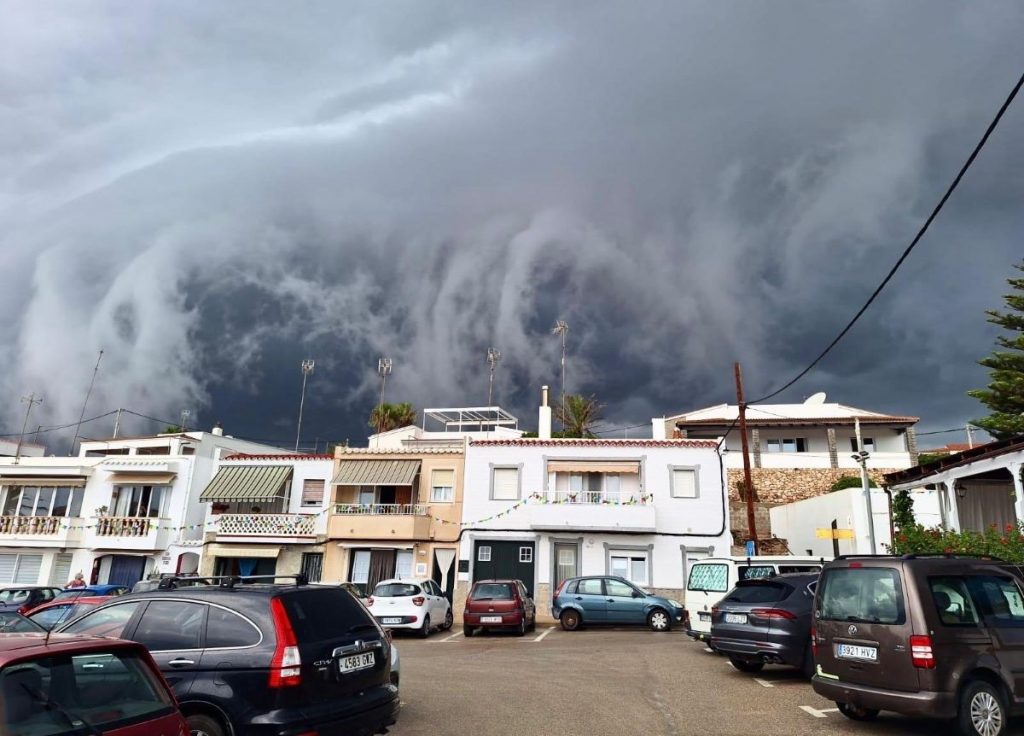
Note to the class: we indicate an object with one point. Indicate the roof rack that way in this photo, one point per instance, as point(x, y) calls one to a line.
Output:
point(229, 581)
point(925, 556)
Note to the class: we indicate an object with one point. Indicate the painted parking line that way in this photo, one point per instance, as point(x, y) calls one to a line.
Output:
point(539, 638)
point(456, 635)
point(822, 713)
point(763, 683)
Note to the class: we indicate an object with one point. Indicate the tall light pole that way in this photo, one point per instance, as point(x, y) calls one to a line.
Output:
point(307, 371)
point(31, 400)
point(185, 414)
point(383, 370)
point(861, 457)
point(562, 328)
point(493, 356)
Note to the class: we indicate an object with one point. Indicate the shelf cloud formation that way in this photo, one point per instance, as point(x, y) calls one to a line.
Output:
point(212, 192)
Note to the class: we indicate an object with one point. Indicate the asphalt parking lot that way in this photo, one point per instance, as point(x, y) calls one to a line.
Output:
point(604, 682)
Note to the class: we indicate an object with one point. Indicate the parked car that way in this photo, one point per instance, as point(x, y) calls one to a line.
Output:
point(56, 612)
point(396, 666)
point(499, 604)
point(12, 622)
point(611, 600)
point(418, 605)
point(711, 578)
point(260, 658)
point(354, 590)
point(58, 685)
point(23, 598)
point(766, 621)
point(933, 636)
point(91, 591)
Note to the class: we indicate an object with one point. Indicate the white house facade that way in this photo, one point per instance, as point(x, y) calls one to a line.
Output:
point(543, 510)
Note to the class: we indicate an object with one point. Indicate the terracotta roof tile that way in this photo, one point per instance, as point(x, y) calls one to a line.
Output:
point(276, 456)
point(567, 442)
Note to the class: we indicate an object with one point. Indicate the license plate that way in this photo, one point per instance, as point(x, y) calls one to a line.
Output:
point(391, 620)
point(852, 651)
point(490, 619)
point(704, 615)
point(735, 618)
point(356, 662)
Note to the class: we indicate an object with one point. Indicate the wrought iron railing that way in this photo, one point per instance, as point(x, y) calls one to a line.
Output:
point(381, 509)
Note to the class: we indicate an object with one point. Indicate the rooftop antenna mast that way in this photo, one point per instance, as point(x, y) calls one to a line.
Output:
point(383, 370)
point(493, 356)
point(307, 371)
point(185, 414)
point(562, 328)
point(78, 427)
point(31, 400)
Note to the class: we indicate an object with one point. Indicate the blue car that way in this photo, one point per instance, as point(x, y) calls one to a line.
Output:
point(91, 591)
point(612, 600)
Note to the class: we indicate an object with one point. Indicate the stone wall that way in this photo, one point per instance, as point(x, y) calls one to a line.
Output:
point(774, 485)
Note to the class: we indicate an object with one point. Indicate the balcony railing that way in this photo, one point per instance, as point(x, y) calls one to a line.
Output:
point(123, 526)
point(593, 497)
point(30, 525)
point(381, 509)
point(270, 525)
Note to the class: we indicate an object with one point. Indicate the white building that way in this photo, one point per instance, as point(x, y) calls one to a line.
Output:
point(9, 448)
point(267, 515)
point(814, 434)
point(543, 509)
point(119, 511)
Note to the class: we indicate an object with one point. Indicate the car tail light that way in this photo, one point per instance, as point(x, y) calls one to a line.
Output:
point(921, 653)
point(773, 613)
point(419, 600)
point(286, 666)
point(558, 590)
point(369, 601)
point(24, 608)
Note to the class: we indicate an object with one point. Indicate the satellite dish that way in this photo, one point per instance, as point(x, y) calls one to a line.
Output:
point(815, 400)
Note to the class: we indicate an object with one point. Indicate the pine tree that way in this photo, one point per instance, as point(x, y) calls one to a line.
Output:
point(1005, 393)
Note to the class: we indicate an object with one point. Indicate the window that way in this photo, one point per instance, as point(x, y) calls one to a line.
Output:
point(226, 629)
point(22, 569)
point(44, 501)
point(526, 554)
point(491, 592)
point(403, 563)
point(590, 586)
point(684, 482)
point(618, 588)
point(631, 566)
point(759, 592)
point(138, 501)
point(795, 444)
point(442, 486)
point(53, 616)
point(505, 484)
point(360, 572)
point(999, 600)
point(869, 444)
point(109, 621)
point(396, 590)
point(864, 594)
point(613, 487)
point(170, 625)
point(565, 561)
point(312, 566)
point(952, 601)
point(709, 577)
point(483, 554)
point(756, 572)
point(312, 492)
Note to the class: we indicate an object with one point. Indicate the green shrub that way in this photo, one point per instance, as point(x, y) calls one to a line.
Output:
point(849, 481)
point(1007, 542)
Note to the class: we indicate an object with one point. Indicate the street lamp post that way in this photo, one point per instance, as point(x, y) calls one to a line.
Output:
point(493, 356)
point(307, 371)
point(562, 328)
point(383, 370)
point(861, 458)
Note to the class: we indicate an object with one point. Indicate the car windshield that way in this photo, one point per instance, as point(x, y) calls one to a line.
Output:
point(15, 623)
point(80, 694)
point(396, 590)
point(758, 592)
point(13, 595)
point(492, 592)
point(862, 595)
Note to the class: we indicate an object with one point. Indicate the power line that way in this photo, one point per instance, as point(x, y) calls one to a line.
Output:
point(63, 426)
point(913, 244)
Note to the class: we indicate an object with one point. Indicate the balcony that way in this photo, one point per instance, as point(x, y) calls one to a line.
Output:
point(591, 511)
point(265, 527)
point(129, 533)
point(379, 521)
point(40, 531)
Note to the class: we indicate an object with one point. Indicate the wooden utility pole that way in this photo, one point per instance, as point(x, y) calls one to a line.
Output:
point(747, 482)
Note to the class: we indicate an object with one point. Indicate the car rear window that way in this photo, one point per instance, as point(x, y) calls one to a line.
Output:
point(756, 572)
point(396, 590)
point(758, 592)
point(492, 592)
point(711, 577)
point(14, 596)
point(324, 613)
point(863, 595)
point(107, 690)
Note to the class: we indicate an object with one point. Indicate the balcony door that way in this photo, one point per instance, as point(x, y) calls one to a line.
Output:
point(567, 561)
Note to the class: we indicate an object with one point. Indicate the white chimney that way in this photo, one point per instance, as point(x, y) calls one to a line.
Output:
point(544, 419)
point(218, 429)
point(658, 428)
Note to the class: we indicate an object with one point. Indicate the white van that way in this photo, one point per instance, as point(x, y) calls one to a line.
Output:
point(711, 578)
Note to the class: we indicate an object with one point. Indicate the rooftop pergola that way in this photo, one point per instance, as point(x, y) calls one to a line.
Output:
point(469, 419)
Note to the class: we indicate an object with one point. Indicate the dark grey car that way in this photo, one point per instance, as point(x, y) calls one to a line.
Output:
point(766, 621)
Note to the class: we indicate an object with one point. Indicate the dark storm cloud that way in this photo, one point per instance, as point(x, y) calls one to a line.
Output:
point(211, 195)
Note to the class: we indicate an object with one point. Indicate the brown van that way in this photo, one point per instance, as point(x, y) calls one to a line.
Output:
point(935, 636)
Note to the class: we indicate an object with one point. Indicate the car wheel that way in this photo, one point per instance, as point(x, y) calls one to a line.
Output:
point(533, 623)
point(744, 666)
point(425, 631)
point(808, 666)
point(200, 724)
point(982, 710)
point(857, 713)
point(570, 620)
point(658, 620)
point(449, 619)
point(521, 631)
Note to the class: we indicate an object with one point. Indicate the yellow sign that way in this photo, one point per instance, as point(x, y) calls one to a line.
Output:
point(834, 533)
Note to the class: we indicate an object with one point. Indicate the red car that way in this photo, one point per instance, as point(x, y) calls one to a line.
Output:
point(499, 604)
point(58, 684)
point(53, 614)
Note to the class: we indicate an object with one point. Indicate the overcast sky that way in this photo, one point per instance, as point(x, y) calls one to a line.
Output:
point(212, 192)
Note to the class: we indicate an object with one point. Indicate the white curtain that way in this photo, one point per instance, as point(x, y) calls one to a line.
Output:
point(984, 504)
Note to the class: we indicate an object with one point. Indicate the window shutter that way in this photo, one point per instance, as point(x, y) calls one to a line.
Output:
point(506, 484)
point(444, 478)
point(684, 483)
point(7, 563)
point(312, 492)
point(61, 570)
point(28, 569)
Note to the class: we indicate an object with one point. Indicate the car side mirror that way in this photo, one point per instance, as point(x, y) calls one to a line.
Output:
point(637, 594)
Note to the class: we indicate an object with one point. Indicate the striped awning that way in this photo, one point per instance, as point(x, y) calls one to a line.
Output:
point(247, 483)
point(142, 479)
point(593, 466)
point(377, 472)
point(43, 481)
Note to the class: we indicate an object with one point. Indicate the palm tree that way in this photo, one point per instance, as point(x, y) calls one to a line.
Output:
point(578, 415)
point(386, 417)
